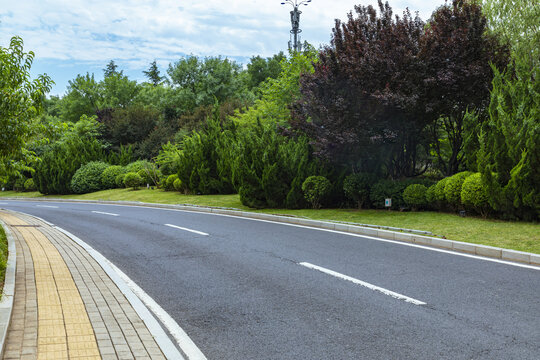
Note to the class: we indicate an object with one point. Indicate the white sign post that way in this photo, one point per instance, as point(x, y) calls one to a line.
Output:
point(388, 203)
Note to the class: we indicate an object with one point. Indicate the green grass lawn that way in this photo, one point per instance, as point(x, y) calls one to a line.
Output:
point(521, 236)
point(3, 258)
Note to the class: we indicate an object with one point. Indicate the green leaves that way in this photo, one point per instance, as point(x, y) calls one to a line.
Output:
point(21, 100)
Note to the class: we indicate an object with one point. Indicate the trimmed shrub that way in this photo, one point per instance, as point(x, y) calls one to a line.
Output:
point(452, 188)
point(357, 187)
point(19, 184)
point(385, 189)
point(119, 180)
point(132, 180)
point(150, 175)
point(474, 194)
point(169, 182)
point(88, 177)
point(430, 196)
point(138, 166)
point(415, 196)
point(315, 189)
point(439, 196)
point(178, 186)
point(29, 185)
point(108, 177)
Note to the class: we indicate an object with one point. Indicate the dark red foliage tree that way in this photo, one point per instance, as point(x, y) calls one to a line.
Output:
point(457, 52)
point(385, 82)
point(361, 105)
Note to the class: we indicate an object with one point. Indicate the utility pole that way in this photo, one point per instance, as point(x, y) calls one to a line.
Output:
point(295, 44)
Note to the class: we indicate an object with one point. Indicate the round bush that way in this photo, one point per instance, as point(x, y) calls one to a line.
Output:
point(19, 184)
point(430, 194)
point(150, 176)
point(138, 166)
point(108, 177)
point(88, 177)
point(169, 182)
point(132, 180)
point(119, 180)
point(474, 194)
point(452, 188)
point(178, 186)
point(315, 189)
point(29, 185)
point(439, 191)
point(358, 186)
point(415, 196)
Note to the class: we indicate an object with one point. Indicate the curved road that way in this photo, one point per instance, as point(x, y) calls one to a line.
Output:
point(247, 289)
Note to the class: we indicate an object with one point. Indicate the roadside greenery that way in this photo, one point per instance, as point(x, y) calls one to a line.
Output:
point(3, 257)
point(439, 115)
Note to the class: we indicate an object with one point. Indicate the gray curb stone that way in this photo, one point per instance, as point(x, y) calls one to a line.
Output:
point(476, 249)
point(8, 293)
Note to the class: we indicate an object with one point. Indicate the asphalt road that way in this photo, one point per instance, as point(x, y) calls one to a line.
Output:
point(240, 292)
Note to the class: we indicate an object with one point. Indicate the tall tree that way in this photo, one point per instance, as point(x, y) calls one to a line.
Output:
point(361, 105)
point(111, 69)
point(21, 101)
point(457, 53)
point(518, 22)
point(153, 74)
point(260, 69)
point(84, 97)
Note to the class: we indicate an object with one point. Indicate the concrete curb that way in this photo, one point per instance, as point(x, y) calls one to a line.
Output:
point(475, 249)
point(8, 293)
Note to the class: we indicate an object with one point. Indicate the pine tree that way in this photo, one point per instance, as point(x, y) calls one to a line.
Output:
point(153, 74)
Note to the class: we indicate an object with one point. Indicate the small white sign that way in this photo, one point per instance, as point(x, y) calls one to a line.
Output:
point(388, 202)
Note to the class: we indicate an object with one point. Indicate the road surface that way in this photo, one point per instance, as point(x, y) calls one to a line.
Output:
point(247, 289)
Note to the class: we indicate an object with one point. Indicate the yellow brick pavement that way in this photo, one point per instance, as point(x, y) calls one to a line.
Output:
point(64, 329)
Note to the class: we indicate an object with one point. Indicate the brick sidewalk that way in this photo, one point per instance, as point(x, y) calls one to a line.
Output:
point(65, 305)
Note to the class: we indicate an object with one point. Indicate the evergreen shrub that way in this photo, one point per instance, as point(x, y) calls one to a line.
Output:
point(132, 180)
point(119, 180)
point(29, 185)
point(315, 189)
point(452, 188)
point(414, 195)
point(357, 187)
point(178, 186)
point(474, 194)
point(108, 177)
point(88, 177)
point(169, 182)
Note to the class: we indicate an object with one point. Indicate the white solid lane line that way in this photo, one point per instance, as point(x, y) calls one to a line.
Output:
point(186, 229)
point(105, 213)
point(47, 206)
point(363, 283)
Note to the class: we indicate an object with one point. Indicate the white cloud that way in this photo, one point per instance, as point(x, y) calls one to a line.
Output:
point(135, 32)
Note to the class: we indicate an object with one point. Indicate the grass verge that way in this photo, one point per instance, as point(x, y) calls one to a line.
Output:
point(514, 235)
point(3, 258)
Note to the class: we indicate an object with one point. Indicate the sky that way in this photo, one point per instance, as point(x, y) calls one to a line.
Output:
point(71, 37)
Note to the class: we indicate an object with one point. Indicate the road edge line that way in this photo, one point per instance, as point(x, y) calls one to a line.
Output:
point(169, 349)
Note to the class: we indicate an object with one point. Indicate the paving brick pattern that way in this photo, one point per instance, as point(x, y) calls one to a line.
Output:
point(114, 329)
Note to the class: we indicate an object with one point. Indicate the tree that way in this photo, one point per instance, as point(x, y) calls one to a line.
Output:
point(118, 91)
point(518, 22)
point(84, 97)
point(21, 101)
point(361, 105)
point(260, 69)
point(278, 94)
point(111, 69)
point(457, 52)
point(153, 74)
point(509, 157)
point(203, 82)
